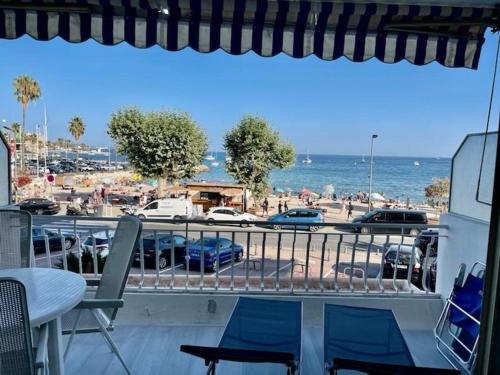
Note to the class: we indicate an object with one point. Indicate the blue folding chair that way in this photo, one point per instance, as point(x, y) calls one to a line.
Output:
point(457, 330)
point(367, 340)
point(258, 331)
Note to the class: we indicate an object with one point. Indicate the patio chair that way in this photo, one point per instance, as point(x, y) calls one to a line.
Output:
point(17, 355)
point(258, 331)
point(457, 330)
point(98, 314)
point(369, 341)
point(15, 239)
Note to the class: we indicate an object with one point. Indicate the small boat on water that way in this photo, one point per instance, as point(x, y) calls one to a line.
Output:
point(215, 163)
point(307, 160)
point(209, 157)
point(363, 159)
point(416, 163)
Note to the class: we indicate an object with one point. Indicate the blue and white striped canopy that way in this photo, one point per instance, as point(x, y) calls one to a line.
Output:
point(358, 30)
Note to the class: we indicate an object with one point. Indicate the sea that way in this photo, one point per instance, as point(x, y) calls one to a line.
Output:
point(396, 177)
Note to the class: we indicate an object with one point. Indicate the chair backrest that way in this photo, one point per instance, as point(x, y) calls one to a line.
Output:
point(15, 239)
point(118, 262)
point(15, 333)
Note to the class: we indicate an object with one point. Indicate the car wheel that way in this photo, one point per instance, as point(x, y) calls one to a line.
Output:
point(141, 216)
point(239, 256)
point(276, 227)
point(414, 232)
point(39, 212)
point(162, 262)
point(313, 228)
point(365, 230)
point(244, 224)
point(210, 221)
point(68, 244)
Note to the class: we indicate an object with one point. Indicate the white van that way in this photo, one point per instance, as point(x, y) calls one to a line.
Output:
point(168, 208)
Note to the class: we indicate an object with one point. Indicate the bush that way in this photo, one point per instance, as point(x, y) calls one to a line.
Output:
point(87, 262)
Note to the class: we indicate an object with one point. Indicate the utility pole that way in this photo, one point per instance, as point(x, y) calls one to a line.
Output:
point(370, 177)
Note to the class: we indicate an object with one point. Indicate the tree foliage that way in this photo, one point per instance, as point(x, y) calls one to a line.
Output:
point(166, 145)
point(76, 127)
point(256, 149)
point(439, 191)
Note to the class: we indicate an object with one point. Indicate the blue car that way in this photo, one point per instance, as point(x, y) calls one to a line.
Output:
point(210, 254)
point(299, 215)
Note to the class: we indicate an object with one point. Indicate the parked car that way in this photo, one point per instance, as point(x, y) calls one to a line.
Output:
point(101, 242)
point(55, 240)
point(404, 259)
point(39, 206)
point(168, 208)
point(422, 242)
point(120, 199)
point(391, 216)
point(229, 213)
point(209, 246)
point(165, 248)
point(299, 215)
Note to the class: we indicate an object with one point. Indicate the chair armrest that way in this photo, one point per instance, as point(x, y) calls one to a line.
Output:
point(374, 368)
point(92, 282)
point(99, 303)
point(41, 350)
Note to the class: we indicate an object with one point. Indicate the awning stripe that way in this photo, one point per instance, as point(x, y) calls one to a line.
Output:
point(297, 28)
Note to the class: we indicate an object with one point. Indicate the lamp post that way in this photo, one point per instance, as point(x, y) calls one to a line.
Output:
point(370, 176)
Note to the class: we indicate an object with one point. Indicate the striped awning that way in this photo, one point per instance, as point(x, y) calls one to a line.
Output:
point(358, 30)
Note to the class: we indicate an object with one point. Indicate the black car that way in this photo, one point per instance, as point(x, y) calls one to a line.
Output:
point(390, 216)
point(165, 247)
point(39, 206)
point(121, 199)
point(55, 240)
point(403, 253)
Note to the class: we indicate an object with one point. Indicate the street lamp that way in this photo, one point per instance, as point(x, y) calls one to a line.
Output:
point(371, 174)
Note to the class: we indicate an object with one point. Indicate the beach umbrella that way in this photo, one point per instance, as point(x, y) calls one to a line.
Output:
point(305, 191)
point(377, 197)
point(328, 189)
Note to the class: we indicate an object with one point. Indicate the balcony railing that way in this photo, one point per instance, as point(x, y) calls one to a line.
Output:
point(335, 259)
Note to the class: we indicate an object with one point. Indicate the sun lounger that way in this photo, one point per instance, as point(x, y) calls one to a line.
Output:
point(258, 331)
point(367, 340)
point(457, 331)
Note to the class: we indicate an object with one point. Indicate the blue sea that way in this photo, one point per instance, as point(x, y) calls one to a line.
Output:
point(396, 177)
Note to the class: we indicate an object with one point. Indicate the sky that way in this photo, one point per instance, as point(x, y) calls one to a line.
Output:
point(324, 107)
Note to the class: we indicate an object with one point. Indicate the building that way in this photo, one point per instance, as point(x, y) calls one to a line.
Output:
point(213, 194)
point(5, 172)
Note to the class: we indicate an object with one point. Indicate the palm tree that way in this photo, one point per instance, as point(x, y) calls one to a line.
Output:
point(26, 90)
point(76, 127)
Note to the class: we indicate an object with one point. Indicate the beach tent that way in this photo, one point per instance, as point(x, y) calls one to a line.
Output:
point(377, 197)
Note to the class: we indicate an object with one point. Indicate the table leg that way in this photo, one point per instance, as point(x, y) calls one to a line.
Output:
point(56, 363)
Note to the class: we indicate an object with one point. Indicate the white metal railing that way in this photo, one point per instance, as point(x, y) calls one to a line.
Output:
point(335, 259)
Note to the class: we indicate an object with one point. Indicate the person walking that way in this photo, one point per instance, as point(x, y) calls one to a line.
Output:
point(265, 207)
point(349, 210)
point(285, 206)
point(280, 207)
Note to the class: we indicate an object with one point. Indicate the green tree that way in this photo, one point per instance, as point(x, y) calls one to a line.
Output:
point(256, 149)
point(439, 191)
point(163, 145)
point(77, 128)
point(26, 90)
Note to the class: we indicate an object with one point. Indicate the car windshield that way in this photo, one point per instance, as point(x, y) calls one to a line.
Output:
point(207, 242)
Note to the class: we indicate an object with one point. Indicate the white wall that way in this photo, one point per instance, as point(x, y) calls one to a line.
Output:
point(466, 242)
point(465, 176)
point(4, 174)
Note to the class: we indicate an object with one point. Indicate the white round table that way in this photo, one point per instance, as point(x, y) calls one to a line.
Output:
point(50, 293)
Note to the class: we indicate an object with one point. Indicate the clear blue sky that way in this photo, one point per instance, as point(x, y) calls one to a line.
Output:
point(320, 106)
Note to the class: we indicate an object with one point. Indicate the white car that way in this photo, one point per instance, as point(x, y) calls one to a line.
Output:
point(229, 213)
point(101, 242)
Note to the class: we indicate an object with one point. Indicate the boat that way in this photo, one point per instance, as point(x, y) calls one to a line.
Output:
point(307, 160)
point(416, 163)
point(209, 157)
point(363, 159)
point(214, 163)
